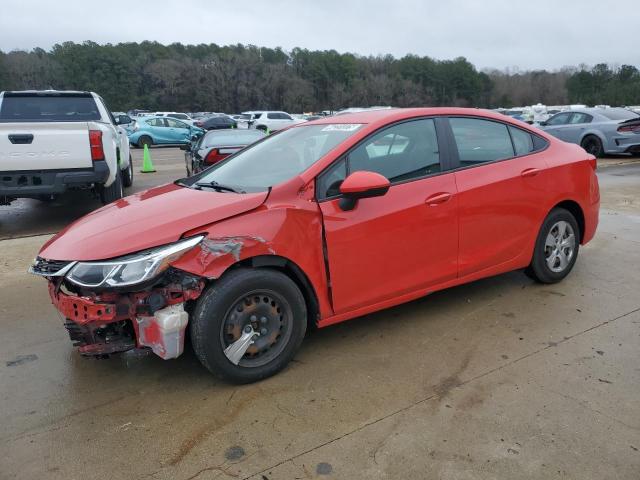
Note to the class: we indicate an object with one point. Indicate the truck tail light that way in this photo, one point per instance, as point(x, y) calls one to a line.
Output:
point(95, 144)
point(214, 156)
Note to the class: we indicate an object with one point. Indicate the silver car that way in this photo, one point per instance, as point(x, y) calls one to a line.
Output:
point(599, 131)
point(215, 146)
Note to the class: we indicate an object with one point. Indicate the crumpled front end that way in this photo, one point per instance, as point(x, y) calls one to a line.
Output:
point(103, 322)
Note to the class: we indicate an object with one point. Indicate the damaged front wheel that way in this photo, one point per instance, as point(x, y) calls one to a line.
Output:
point(249, 324)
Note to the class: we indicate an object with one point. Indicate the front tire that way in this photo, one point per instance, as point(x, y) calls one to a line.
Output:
point(245, 302)
point(113, 192)
point(145, 140)
point(127, 174)
point(556, 248)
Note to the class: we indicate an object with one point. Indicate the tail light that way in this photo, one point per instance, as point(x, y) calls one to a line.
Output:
point(95, 144)
point(629, 129)
point(214, 156)
point(594, 163)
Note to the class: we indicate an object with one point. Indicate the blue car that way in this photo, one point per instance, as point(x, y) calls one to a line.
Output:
point(161, 131)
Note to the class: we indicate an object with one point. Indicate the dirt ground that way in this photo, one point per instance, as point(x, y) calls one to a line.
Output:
point(502, 378)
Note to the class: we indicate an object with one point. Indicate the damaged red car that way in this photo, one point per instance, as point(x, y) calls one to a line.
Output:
point(322, 222)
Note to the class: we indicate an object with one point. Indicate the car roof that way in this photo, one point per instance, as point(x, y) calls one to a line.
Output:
point(395, 114)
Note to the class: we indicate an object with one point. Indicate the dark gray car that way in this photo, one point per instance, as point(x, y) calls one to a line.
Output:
point(598, 130)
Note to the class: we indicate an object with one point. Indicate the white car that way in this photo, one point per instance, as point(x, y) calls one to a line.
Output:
point(271, 120)
point(177, 115)
point(52, 141)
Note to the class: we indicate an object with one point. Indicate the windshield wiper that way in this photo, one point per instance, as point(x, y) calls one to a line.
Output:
point(219, 187)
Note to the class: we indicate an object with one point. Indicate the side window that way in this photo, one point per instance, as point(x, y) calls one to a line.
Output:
point(284, 116)
point(274, 116)
point(522, 141)
point(155, 122)
point(580, 118)
point(328, 184)
point(560, 119)
point(175, 123)
point(480, 141)
point(401, 152)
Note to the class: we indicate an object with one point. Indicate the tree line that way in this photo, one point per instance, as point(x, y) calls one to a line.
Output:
point(234, 78)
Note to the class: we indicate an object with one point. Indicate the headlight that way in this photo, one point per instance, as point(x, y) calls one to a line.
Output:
point(131, 269)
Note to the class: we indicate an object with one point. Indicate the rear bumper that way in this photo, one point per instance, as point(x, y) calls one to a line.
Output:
point(32, 183)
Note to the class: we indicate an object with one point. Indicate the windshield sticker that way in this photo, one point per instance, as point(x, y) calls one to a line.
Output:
point(342, 127)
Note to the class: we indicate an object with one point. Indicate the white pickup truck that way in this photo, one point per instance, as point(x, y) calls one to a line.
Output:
point(53, 141)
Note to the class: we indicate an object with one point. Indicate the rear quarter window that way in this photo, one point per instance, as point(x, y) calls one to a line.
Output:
point(48, 108)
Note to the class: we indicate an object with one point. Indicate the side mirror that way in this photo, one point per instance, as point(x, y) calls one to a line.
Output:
point(362, 184)
point(543, 124)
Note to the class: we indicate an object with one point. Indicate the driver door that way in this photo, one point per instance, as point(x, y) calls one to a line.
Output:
point(401, 242)
point(178, 131)
point(558, 125)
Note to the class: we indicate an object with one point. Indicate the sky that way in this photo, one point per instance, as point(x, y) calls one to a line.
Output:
point(514, 34)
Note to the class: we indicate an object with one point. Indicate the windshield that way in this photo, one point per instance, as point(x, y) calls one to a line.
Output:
point(277, 158)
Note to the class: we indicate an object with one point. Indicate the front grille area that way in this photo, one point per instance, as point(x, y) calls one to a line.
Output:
point(48, 267)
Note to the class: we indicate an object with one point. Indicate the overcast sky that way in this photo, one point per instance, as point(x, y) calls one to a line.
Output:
point(490, 33)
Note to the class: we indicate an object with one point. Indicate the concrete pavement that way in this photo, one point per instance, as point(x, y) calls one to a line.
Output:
point(502, 378)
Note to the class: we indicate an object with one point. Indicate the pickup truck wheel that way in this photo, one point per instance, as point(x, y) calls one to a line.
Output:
point(556, 248)
point(249, 324)
point(145, 140)
point(113, 192)
point(127, 174)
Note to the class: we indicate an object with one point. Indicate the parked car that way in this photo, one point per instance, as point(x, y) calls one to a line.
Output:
point(161, 131)
point(52, 141)
point(323, 222)
point(599, 131)
point(216, 122)
point(271, 121)
point(177, 115)
point(215, 146)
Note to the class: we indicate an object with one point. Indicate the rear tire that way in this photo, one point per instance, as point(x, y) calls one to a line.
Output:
point(556, 248)
point(592, 145)
point(145, 140)
point(127, 174)
point(266, 300)
point(113, 192)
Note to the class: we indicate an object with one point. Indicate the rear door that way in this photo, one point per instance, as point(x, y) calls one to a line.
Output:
point(403, 241)
point(501, 178)
point(45, 131)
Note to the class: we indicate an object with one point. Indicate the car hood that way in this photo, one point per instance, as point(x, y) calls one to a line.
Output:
point(147, 219)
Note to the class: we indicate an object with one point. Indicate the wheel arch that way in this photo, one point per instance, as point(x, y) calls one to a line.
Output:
point(575, 209)
point(295, 273)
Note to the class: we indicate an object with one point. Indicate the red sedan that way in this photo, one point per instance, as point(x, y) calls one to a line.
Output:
point(320, 223)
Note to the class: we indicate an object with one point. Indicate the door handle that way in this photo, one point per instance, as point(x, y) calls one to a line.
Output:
point(438, 198)
point(530, 172)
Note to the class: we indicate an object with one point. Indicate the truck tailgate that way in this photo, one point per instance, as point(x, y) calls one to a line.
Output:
point(44, 146)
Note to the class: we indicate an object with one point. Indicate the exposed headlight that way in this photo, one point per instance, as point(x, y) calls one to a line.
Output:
point(130, 269)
